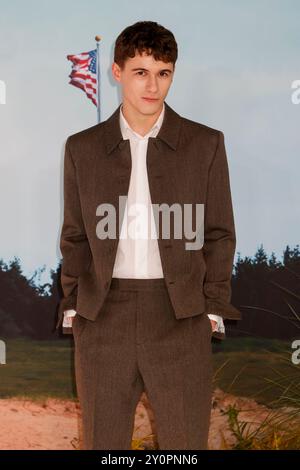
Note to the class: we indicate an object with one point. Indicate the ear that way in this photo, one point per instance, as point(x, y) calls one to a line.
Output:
point(116, 71)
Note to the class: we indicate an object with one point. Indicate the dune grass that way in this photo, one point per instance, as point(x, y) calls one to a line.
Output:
point(38, 369)
point(243, 366)
point(250, 367)
point(255, 368)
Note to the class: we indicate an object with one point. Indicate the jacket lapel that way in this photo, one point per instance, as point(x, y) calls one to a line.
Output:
point(114, 169)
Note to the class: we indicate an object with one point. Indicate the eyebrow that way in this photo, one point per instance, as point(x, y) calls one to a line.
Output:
point(146, 70)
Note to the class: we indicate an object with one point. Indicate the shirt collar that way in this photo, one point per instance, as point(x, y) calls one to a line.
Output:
point(128, 132)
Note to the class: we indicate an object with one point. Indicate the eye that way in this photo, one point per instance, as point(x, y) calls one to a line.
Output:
point(140, 72)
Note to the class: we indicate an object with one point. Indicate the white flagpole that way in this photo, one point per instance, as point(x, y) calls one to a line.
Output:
point(98, 39)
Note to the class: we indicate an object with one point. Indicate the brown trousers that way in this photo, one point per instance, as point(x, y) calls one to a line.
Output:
point(136, 344)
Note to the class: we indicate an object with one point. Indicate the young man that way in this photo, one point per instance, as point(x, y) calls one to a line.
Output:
point(143, 308)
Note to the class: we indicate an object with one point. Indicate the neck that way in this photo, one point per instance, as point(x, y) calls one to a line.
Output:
point(140, 123)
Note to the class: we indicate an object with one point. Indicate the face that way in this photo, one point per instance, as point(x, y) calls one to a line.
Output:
point(145, 82)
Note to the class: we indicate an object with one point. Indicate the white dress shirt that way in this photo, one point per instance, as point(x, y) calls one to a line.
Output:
point(138, 252)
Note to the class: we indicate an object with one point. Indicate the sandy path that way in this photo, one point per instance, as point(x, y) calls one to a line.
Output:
point(56, 424)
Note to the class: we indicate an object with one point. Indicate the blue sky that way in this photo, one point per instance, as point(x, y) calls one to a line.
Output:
point(236, 63)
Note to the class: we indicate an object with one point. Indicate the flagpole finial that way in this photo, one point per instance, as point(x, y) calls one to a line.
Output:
point(98, 38)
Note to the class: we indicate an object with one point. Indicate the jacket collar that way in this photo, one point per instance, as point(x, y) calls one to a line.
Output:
point(169, 131)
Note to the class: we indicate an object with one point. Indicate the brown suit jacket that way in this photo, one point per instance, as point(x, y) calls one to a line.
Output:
point(186, 163)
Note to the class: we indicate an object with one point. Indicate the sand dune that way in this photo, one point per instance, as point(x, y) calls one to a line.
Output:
point(56, 424)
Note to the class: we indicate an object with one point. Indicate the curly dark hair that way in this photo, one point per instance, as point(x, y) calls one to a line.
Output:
point(147, 36)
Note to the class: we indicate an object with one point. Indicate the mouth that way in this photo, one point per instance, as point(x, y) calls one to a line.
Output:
point(150, 100)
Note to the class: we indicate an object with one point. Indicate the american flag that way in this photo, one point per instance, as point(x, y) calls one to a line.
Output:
point(84, 73)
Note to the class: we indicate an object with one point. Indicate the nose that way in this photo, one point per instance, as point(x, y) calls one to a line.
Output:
point(152, 84)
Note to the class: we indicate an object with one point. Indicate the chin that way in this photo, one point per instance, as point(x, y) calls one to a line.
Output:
point(150, 108)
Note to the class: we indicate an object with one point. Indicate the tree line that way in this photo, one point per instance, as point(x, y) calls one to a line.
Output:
point(264, 289)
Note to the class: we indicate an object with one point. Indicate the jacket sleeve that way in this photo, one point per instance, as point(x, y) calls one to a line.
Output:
point(219, 237)
point(74, 243)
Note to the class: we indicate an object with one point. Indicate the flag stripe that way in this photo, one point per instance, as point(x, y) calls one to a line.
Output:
point(84, 73)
